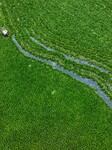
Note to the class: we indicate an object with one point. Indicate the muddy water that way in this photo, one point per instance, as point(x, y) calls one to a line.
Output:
point(87, 81)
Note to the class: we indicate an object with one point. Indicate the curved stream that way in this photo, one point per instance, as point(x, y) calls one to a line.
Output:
point(83, 62)
point(87, 81)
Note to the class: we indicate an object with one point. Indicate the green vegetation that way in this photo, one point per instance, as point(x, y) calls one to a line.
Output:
point(77, 28)
point(41, 108)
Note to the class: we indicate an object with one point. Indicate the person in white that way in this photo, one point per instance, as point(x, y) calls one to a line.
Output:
point(4, 32)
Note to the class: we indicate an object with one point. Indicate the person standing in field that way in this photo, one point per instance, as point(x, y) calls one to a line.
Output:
point(4, 32)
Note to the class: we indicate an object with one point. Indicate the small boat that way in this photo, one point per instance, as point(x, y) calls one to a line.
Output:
point(4, 32)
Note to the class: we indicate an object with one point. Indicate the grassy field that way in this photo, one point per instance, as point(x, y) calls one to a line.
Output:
point(79, 29)
point(41, 108)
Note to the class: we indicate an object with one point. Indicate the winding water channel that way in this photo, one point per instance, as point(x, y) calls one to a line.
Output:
point(87, 81)
point(83, 62)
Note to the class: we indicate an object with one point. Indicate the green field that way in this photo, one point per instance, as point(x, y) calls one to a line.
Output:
point(42, 108)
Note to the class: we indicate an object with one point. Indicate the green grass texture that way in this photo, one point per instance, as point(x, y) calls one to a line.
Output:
point(40, 107)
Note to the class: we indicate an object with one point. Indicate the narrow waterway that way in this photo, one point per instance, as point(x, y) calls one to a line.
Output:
point(83, 62)
point(87, 81)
